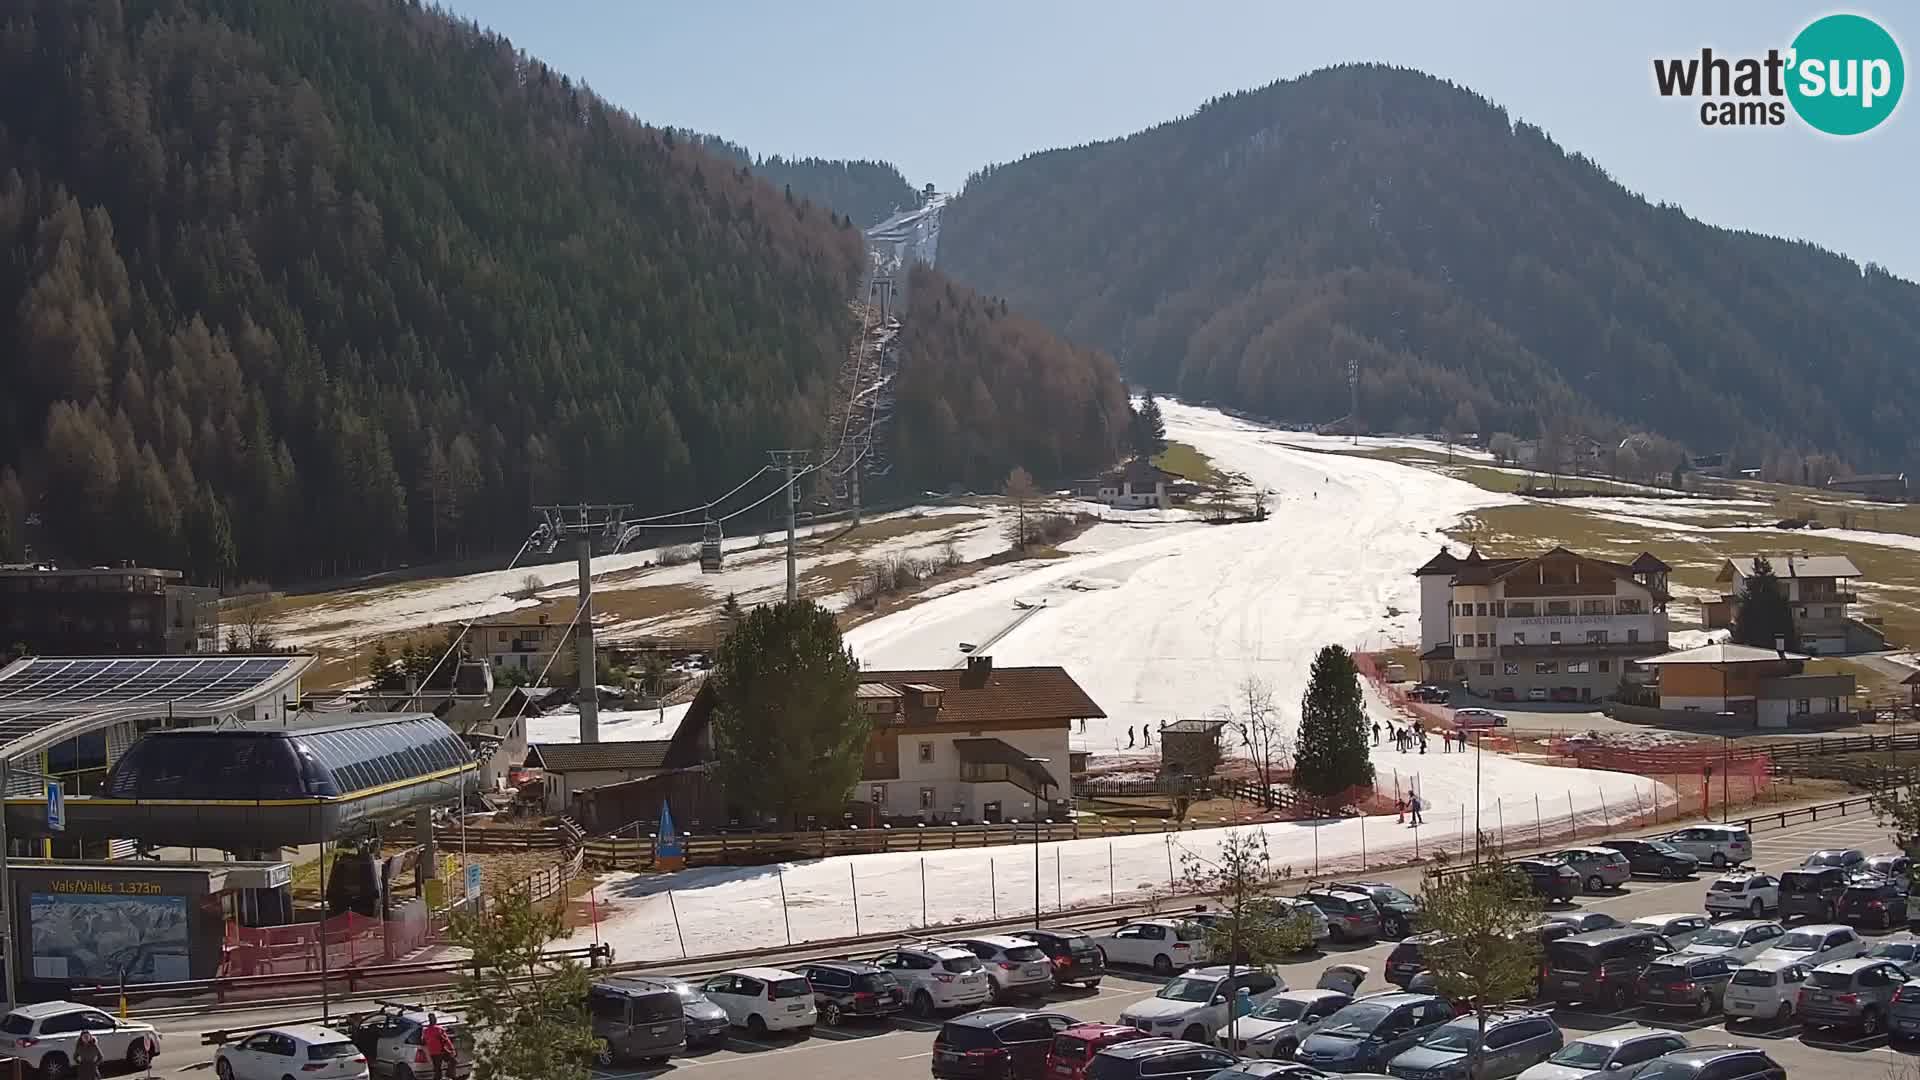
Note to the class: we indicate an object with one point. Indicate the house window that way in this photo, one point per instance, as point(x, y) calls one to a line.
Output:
point(1519, 637)
point(1459, 671)
point(879, 757)
point(1466, 641)
point(1480, 610)
point(1553, 637)
point(1559, 607)
point(1633, 636)
point(1546, 667)
point(1579, 667)
point(926, 753)
point(1606, 666)
point(1802, 706)
point(926, 798)
point(1831, 613)
point(1631, 606)
point(1486, 669)
point(1510, 668)
point(1593, 607)
point(1483, 640)
point(1521, 609)
point(1596, 637)
point(1499, 609)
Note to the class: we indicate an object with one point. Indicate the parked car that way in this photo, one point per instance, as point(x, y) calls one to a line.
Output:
point(1855, 993)
point(1516, 1040)
point(1475, 717)
point(764, 999)
point(308, 1051)
point(1601, 967)
point(1679, 928)
point(850, 989)
point(1739, 940)
point(1694, 983)
point(1505, 693)
point(1547, 878)
point(1844, 858)
point(1723, 1062)
point(42, 1036)
point(1749, 893)
point(937, 977)
point(1350, 914)
point(1816, 944)
point(706, 1022)
point(1429, 693)
point(1409, 958)
point(1599, 868)
point(1584, 922)
point(1812, 894)
point(1158, 1059)
point(1399, 910)
point(1890, 864)
point(1282, 906)
point(997, 1044)
point(394, 1040)
point(1076, 959)
point(1192, 1006)
point(1016, 967)
point(635, 1019)
point(1765, 989)
point(1273, 1070)
point(1275, 1029)
point(1902, 949)
point(1721, 845)
point(1655, 858)
point(1866, 872)
point(1903, 1020)
point(1372, 1031)
point(1872, 901)
point(1073, 1050)
point(1615, 1054)
point(1165, 945)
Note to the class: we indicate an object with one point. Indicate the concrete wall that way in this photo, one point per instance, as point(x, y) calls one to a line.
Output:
point(942, 773)
point(1435, 596)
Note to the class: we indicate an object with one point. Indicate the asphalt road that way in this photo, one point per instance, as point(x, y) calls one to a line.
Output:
point(902, 1049)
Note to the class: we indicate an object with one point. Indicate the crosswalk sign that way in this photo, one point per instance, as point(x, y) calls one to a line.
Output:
point(56, 807)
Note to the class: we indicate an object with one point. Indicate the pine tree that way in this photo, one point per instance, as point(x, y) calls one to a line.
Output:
point(788, 737)
point(1330, 756)
point(1148, 429)
point(1764, 614)
point(380, 667)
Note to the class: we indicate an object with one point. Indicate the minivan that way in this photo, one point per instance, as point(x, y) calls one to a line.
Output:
point(1812, 893)
point(1602, 967)
point(636, 1019)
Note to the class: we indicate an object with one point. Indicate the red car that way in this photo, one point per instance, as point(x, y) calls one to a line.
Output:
point(1073, 1049)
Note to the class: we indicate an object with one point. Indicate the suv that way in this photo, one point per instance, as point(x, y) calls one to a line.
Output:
point(992, 1044)
point(1872, 901)
point(1280, 907)
point(394, 1040)
point(1603, 966)
point(634, 1019)
point(1599, 868)
point(1549, 879)
point(1723, 1062)
point(1429, 693)
point(1275, 1029)
point(1076, 959)
point(1902, 949)
point(1398, 909)
point(1192, 1005)
point(1816, 944)
point(1765, 990)
point(937, 977)
point(1890, 864)
point(1812, 893)
point(1409, 958)
point(1751, 894)
point(1515, 1041)
point(1616, 1053)
point(1372, 1031)
point(844, 988)
point(1721, 845)
point(1157, 1059)
point(1857, 992)
point(1165, 945)
point(1655, 857)
point(1073, 1050)
point(1695, 983)
point(1350, 913)
point(1014, 964)
point(42, 1036)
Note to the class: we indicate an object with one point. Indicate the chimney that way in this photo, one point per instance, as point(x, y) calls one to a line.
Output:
point(980, 665)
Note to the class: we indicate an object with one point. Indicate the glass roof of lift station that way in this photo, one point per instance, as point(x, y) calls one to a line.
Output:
point(304, 759)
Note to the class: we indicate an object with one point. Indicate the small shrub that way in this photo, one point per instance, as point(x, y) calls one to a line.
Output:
point(677, 555)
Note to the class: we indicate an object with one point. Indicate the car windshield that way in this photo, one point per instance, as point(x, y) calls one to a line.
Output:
point(1730, 884)
point(878, 982)
point(1670, 1070)
point(1358, 1018)
point(1069, 1047)
point(1719, 935)
point(1026, 954)
point(961, 964)
point(1831, 980)
point(1582, 1055)
point(1893, 950)
point(1189, 989)
point(1800, 942)
point(15, 1024)
point(332, 1050)
point(1281, 1009)
point(966, 1037)
point(1451, 1037)
point(1754, 977)
point(689, 993)
point(1663, 848)
point(1828, 858)
point(1665, 974)
point(791, 988)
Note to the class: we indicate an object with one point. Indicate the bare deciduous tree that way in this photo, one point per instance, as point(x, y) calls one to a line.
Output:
point(1020, 492)
point(1255, 724)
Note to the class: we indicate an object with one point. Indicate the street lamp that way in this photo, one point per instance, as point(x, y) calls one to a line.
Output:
point(1042, 762)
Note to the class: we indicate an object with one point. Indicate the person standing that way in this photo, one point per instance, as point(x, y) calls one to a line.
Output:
point(1423, 740)
point(439, 1047)
point(1129, 736)
point(86, 1056)
point(1415, 805)
point(1376, 733)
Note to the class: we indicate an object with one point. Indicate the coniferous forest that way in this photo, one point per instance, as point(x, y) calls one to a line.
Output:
point(290, 289)
point(1249, 252)
point(867, 191)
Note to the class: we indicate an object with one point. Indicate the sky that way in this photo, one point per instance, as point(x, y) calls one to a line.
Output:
point(941, 90)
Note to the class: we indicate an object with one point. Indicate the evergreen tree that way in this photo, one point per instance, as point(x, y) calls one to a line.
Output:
point(1764, 615)
point(1330, 755)
point(1148, 429)
point(380, 667)
point(788, 737)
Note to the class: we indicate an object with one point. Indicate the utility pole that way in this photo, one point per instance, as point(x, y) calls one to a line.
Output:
point(587, 521)
point(790, 460)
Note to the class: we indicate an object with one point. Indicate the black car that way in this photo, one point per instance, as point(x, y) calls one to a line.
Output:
point(1399, 910)
point(1173, 1059)
point(1695, 983)
point(1551, 880)
point(1409, 959)
point(843, 989)
point(1872, 901)
point(1812, 893)
point(1429, 693)
point(1654, 858)
point(1076, 959)
point(1724, 1062)
point(1602, 967)
point(997, 1044)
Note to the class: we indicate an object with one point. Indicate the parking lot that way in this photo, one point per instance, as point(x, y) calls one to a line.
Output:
point(901, 1048)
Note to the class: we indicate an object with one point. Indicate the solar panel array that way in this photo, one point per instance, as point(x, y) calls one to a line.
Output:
point(92, 684)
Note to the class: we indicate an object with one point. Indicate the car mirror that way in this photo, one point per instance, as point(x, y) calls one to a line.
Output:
point(1616, 1066)
point(1219, 999)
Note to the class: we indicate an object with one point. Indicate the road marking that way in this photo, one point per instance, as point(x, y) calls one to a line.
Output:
point(911, 1057)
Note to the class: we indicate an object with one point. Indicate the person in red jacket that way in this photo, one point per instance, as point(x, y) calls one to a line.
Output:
point(439, 1047)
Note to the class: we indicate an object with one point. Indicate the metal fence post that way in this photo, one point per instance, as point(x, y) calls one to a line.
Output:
point(1539, 835)
point(993, 886)
point(675, 910)
point(785, 917)
point(1110, 872)
point(854, 883)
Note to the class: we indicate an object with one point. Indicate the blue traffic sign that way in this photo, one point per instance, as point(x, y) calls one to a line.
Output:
point(473, 879)
point(56, 807)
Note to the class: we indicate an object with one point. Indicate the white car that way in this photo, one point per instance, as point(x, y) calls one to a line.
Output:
point(1815, 945)
point(1720, 845)
point(394, 1040)
point(1765, 989)
point(1478, 718)
point(42, 1036)
point(1014, 965)
point(1743, 894)
point(1679, 928)
point(937, 978)
point(1614, 1053)
point(1165, 945)
point(1194, 1005)
point(1322, 929)
point(1740, 939)
point(1275, 1028)
point(1844, 858)
point(1902, 948)
point(764, 999)
point(302, 1050)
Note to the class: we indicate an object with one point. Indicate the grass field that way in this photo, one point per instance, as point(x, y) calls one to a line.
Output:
point(1184, 460)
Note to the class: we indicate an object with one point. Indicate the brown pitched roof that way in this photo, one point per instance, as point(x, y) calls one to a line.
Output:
point(1000, 694)
point(1443, 563)
point(1647, 564)
point(1483, 571)
point(589, 757)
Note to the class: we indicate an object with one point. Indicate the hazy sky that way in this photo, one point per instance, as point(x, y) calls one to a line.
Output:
point(940, 89)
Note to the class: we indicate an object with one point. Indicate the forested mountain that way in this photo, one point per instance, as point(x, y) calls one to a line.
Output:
point(290, 288)
point(866, 191)
point(1249, 252)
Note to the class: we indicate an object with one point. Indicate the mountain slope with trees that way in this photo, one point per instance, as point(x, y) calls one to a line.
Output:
point(1250, 251)
point(866, 191)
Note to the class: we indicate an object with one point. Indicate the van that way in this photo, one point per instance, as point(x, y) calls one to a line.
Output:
point(636, 1019)
point(1602, 967)
point(1812, 893)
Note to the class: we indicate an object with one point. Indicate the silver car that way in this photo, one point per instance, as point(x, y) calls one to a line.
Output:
point(1616, 1053)
point(1680, 928)
point(1901, 948)
point(1599, 868)
point(1015, 966)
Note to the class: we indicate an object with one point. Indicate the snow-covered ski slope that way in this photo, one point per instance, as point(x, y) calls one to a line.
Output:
point(907, 237)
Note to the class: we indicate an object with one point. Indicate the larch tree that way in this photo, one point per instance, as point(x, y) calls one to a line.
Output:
point(1330, 755)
